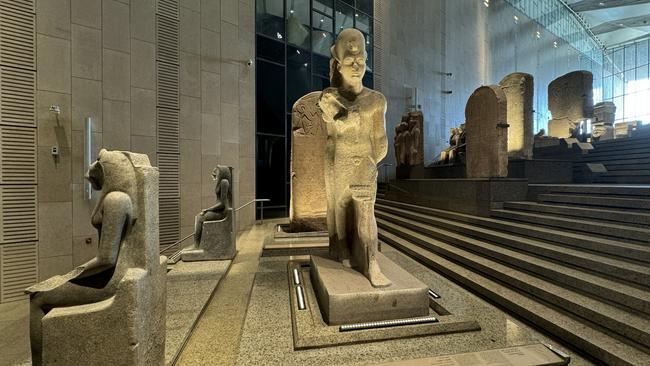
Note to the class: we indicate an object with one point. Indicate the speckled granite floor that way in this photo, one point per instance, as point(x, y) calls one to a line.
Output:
point(189, 286)
point(267, 340)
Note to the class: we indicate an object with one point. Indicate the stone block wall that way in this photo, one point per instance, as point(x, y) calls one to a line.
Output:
point(98, 58)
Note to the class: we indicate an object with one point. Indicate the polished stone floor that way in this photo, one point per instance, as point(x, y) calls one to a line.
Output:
point(247, 320)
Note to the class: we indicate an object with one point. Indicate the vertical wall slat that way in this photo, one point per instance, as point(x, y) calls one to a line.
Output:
point(18, 153)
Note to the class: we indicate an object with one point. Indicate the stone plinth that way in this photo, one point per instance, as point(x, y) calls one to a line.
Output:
point(603, 123)
point(217, 241)
point(308, 208)
point(346, 296)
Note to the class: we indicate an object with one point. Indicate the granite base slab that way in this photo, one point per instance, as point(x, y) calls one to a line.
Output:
point(346, 296)
point(311, 331)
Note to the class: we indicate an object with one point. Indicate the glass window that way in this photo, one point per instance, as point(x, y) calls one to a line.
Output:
point(349, 2)
point(642, 53)
point(322, 22)
point(321, 42)
point(363, 22)
point(319, 83)
point(365, 6)
point(619, 83)
point(607, 65)
point(269, 18)
point(298, 75)
point(321, 65)
point(271, 169)
point(368, 80)
point(618, 101)
point(270, 49)
point(298, 22)
point(618, 60)
point(344, 17)
point(324, 6)
point(630, 56)
point(270, 98)
point(608, 84)
point(642, 74)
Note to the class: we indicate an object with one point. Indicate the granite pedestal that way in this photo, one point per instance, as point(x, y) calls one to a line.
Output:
point(217, 242)
point(346, 296)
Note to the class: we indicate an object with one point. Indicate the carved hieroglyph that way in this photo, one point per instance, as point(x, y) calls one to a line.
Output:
point(308, 207)
point(487, 133)
point(519, 90)
point(570, 101)
point(95, 314)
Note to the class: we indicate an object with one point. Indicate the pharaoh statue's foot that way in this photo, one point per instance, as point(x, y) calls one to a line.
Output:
point(346, 263)
point(377, 279)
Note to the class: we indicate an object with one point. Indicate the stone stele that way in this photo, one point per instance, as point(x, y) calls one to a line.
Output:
point(571, 101)
point(214, 227)
point(487, 135)
point(110, 310)
point(308, 206)
point(519, 90)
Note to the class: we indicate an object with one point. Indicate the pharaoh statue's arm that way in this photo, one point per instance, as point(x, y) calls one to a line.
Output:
point(379, 139)
point(117, 210)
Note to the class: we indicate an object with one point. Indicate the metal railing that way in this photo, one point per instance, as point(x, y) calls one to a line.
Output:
point(262, 200)
point(385, 166)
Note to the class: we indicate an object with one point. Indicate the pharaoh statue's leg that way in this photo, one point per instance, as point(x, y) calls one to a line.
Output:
point(342, 216)
point(368, 240)
point(41, 302)
point(198, 225)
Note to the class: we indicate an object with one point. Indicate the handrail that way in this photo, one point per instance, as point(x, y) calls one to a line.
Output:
point(385, 166)
point(237, 209)
point(262, 200)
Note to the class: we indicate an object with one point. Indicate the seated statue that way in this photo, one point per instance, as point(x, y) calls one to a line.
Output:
point(356, 142)
point(213, 227)
point(99, 312)
point(455, 153)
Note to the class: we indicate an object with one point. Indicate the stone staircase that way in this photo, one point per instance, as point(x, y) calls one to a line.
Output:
point(627, 160)
point(581, 272)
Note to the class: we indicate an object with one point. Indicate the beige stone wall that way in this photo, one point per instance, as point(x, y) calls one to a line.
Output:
point(97, 58)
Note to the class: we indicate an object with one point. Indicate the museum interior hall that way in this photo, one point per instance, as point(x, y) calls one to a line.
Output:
point(324, 182)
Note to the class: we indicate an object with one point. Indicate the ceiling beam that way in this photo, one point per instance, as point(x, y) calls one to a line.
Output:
point(589, 5)
point(633, 22)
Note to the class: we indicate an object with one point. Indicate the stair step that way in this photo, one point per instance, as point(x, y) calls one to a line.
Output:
point(595, 227)
point(627, 173)
point(603, 158)
point(463, 233)
point(623, 141)
point(629, 325)
point(527, 231)
point(617, 167)
point(593, 189)
point(603, 201)
point(622, 153)
point(590, 340)
point(636, 144)
point(624, 217)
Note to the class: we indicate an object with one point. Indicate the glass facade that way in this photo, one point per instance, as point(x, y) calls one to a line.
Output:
point(293, 40)
point(626, 81)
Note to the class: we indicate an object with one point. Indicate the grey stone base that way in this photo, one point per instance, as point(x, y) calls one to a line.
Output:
point(217, 242)
point(346, 296)
point(311, 331)
point(471, 196)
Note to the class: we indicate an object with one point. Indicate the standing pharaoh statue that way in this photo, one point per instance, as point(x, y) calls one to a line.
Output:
point(356, 142)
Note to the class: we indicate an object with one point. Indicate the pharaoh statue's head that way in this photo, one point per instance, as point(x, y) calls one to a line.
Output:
point(219, 173)
point(113, 171)
point(348, 62)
